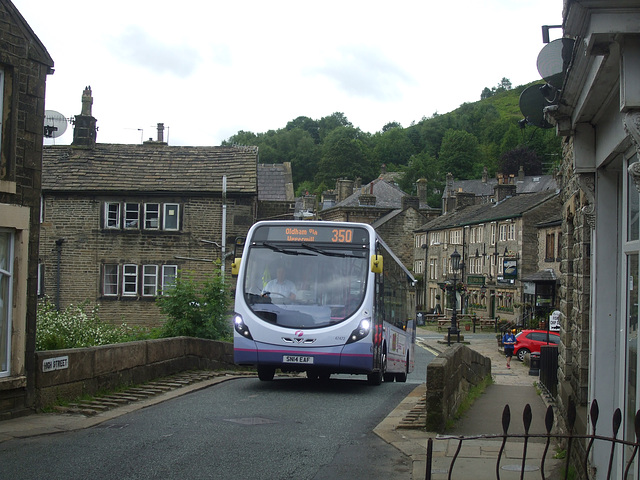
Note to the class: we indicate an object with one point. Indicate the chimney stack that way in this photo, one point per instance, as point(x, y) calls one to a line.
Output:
point(84, 127)
point(161, 132)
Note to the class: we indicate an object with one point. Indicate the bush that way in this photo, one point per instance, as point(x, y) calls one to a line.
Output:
point(77, 326)
point(196, 309)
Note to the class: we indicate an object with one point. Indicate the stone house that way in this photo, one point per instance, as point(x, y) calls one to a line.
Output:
point(540, 289)
point(276, 200)
point(498, 245)
point(483, 190)
point(596, 109)
point(24, 66)
point(121, 221)
point(392, 212)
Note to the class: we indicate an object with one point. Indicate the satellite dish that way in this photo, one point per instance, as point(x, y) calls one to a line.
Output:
point(532, 104)
point(553, 61)
point(55, 124)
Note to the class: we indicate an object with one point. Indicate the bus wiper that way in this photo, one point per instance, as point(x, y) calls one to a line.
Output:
point(282, 250)
point(326, 252)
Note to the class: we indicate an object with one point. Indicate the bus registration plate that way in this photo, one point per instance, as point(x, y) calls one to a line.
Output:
point(296, 359)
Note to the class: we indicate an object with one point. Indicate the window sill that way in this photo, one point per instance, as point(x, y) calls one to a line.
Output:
point(7, 187)
point(11, 383)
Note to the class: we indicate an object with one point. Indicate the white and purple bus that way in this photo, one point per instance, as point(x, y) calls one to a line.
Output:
point(322, 298)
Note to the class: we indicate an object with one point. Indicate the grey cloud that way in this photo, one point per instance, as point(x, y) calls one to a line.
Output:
point(364, 72)
point(137, 47)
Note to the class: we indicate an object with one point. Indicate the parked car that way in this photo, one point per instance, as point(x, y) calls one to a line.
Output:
point(528, 341)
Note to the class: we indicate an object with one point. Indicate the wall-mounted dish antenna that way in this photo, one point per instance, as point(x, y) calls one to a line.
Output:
point(553, 61)
point(55, 124)
point(532, 104)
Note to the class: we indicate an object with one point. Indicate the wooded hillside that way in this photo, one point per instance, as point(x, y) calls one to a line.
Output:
point(464, 141)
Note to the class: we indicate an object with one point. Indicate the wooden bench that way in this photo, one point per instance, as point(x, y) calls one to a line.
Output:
point(446, 322)
point(486, 323)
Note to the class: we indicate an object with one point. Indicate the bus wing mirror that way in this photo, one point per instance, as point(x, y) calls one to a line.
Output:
point(235, 266)
point(376, 263)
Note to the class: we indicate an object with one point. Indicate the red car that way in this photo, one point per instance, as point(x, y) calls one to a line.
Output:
point(528, 341)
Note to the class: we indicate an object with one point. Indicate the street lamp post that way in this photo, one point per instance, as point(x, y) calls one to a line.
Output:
point(453, 329)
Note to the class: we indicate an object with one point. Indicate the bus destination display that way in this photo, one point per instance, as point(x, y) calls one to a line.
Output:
point(313, 234)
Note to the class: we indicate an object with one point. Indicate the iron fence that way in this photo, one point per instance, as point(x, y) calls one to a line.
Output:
point(570, 437)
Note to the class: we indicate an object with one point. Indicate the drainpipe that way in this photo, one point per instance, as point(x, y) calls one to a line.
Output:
point(59, 243)
point(223, 243)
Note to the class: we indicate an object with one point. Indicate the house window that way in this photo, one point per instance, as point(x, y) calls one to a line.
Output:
point(132, 215)
point(169, 275)
point(493, 234)
point(433, 268)
point(550, 247)
point(456, 237)
point(511, 233)
point(130, 280)
point(418, 266)
point(6, 299)
point(435, 238)
point(110, 280)
point(112, 215)
point(503, 232)
point(149, 280)
point(444, 267)
point(152, 216)
point(171, 220)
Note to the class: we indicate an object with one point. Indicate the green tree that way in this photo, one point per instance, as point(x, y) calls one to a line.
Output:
point(521, 156)
point(196, 308)
point(460, 154)
point(393, 147)
point(345, 154)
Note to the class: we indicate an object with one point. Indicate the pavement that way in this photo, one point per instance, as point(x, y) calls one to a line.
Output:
point(402, 428)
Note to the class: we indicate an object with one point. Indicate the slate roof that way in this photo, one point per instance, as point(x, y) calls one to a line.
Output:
point(111, 168)
point(510, 207)
point(275, 182)
point(531, 184)
point(387, 195)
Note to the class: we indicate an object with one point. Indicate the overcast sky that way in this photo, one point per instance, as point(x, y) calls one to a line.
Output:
point(208, 69)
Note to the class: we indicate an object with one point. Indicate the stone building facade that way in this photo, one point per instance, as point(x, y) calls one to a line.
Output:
point(120, 222)
point(596, 108)
point(498, 245)
point(24, 66)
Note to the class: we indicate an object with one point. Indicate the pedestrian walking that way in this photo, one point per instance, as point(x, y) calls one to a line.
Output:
point(509, 342)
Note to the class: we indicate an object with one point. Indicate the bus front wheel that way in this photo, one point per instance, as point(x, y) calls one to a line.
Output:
point(375, 378)
point(266, 373)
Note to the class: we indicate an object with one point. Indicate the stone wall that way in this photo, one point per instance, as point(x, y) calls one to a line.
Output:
point(90, 370)
point(449, 378)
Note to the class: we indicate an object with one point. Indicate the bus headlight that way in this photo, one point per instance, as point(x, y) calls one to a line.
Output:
point(241, 327)
point(362, 331)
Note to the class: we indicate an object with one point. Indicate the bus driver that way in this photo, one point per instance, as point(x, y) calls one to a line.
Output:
point(280, 286)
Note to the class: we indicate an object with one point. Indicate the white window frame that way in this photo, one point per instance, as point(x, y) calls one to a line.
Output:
point(113, 292)
point(511, 232)
point(129, 280)
point(7, 275)
point(151, 216)
point(131, 213)
point(165, 215)
point(149, 280)
point(493, 234)
point(168, 278)
point(112, 219)
point(502, 236)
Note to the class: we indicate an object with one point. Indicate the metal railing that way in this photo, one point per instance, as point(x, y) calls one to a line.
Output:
point(570, 437)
